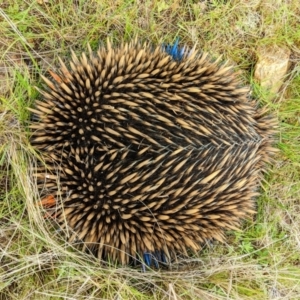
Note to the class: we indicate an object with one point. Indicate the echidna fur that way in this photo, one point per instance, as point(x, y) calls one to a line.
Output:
point(149, 151)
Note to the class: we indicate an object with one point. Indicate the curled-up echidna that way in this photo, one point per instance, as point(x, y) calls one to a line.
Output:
point(148, 151)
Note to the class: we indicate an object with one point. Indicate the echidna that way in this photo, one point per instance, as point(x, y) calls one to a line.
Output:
point(148, 150)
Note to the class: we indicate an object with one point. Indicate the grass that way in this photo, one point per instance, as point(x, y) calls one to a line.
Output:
point(260, 262)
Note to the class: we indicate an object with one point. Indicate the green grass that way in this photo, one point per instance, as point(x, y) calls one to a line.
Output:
point(260, 262)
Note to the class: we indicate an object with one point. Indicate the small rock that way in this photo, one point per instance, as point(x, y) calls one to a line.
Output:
point(4, 79)
point(272, 65)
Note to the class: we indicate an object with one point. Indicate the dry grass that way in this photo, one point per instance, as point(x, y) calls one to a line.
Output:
point(261, 262)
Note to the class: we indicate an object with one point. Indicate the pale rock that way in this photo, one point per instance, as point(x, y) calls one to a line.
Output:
point(4, 79)
point(272, 66)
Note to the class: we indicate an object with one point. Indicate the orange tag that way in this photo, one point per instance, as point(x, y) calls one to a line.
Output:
point(55, 77)
point(63, 79)
point(48, 201)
